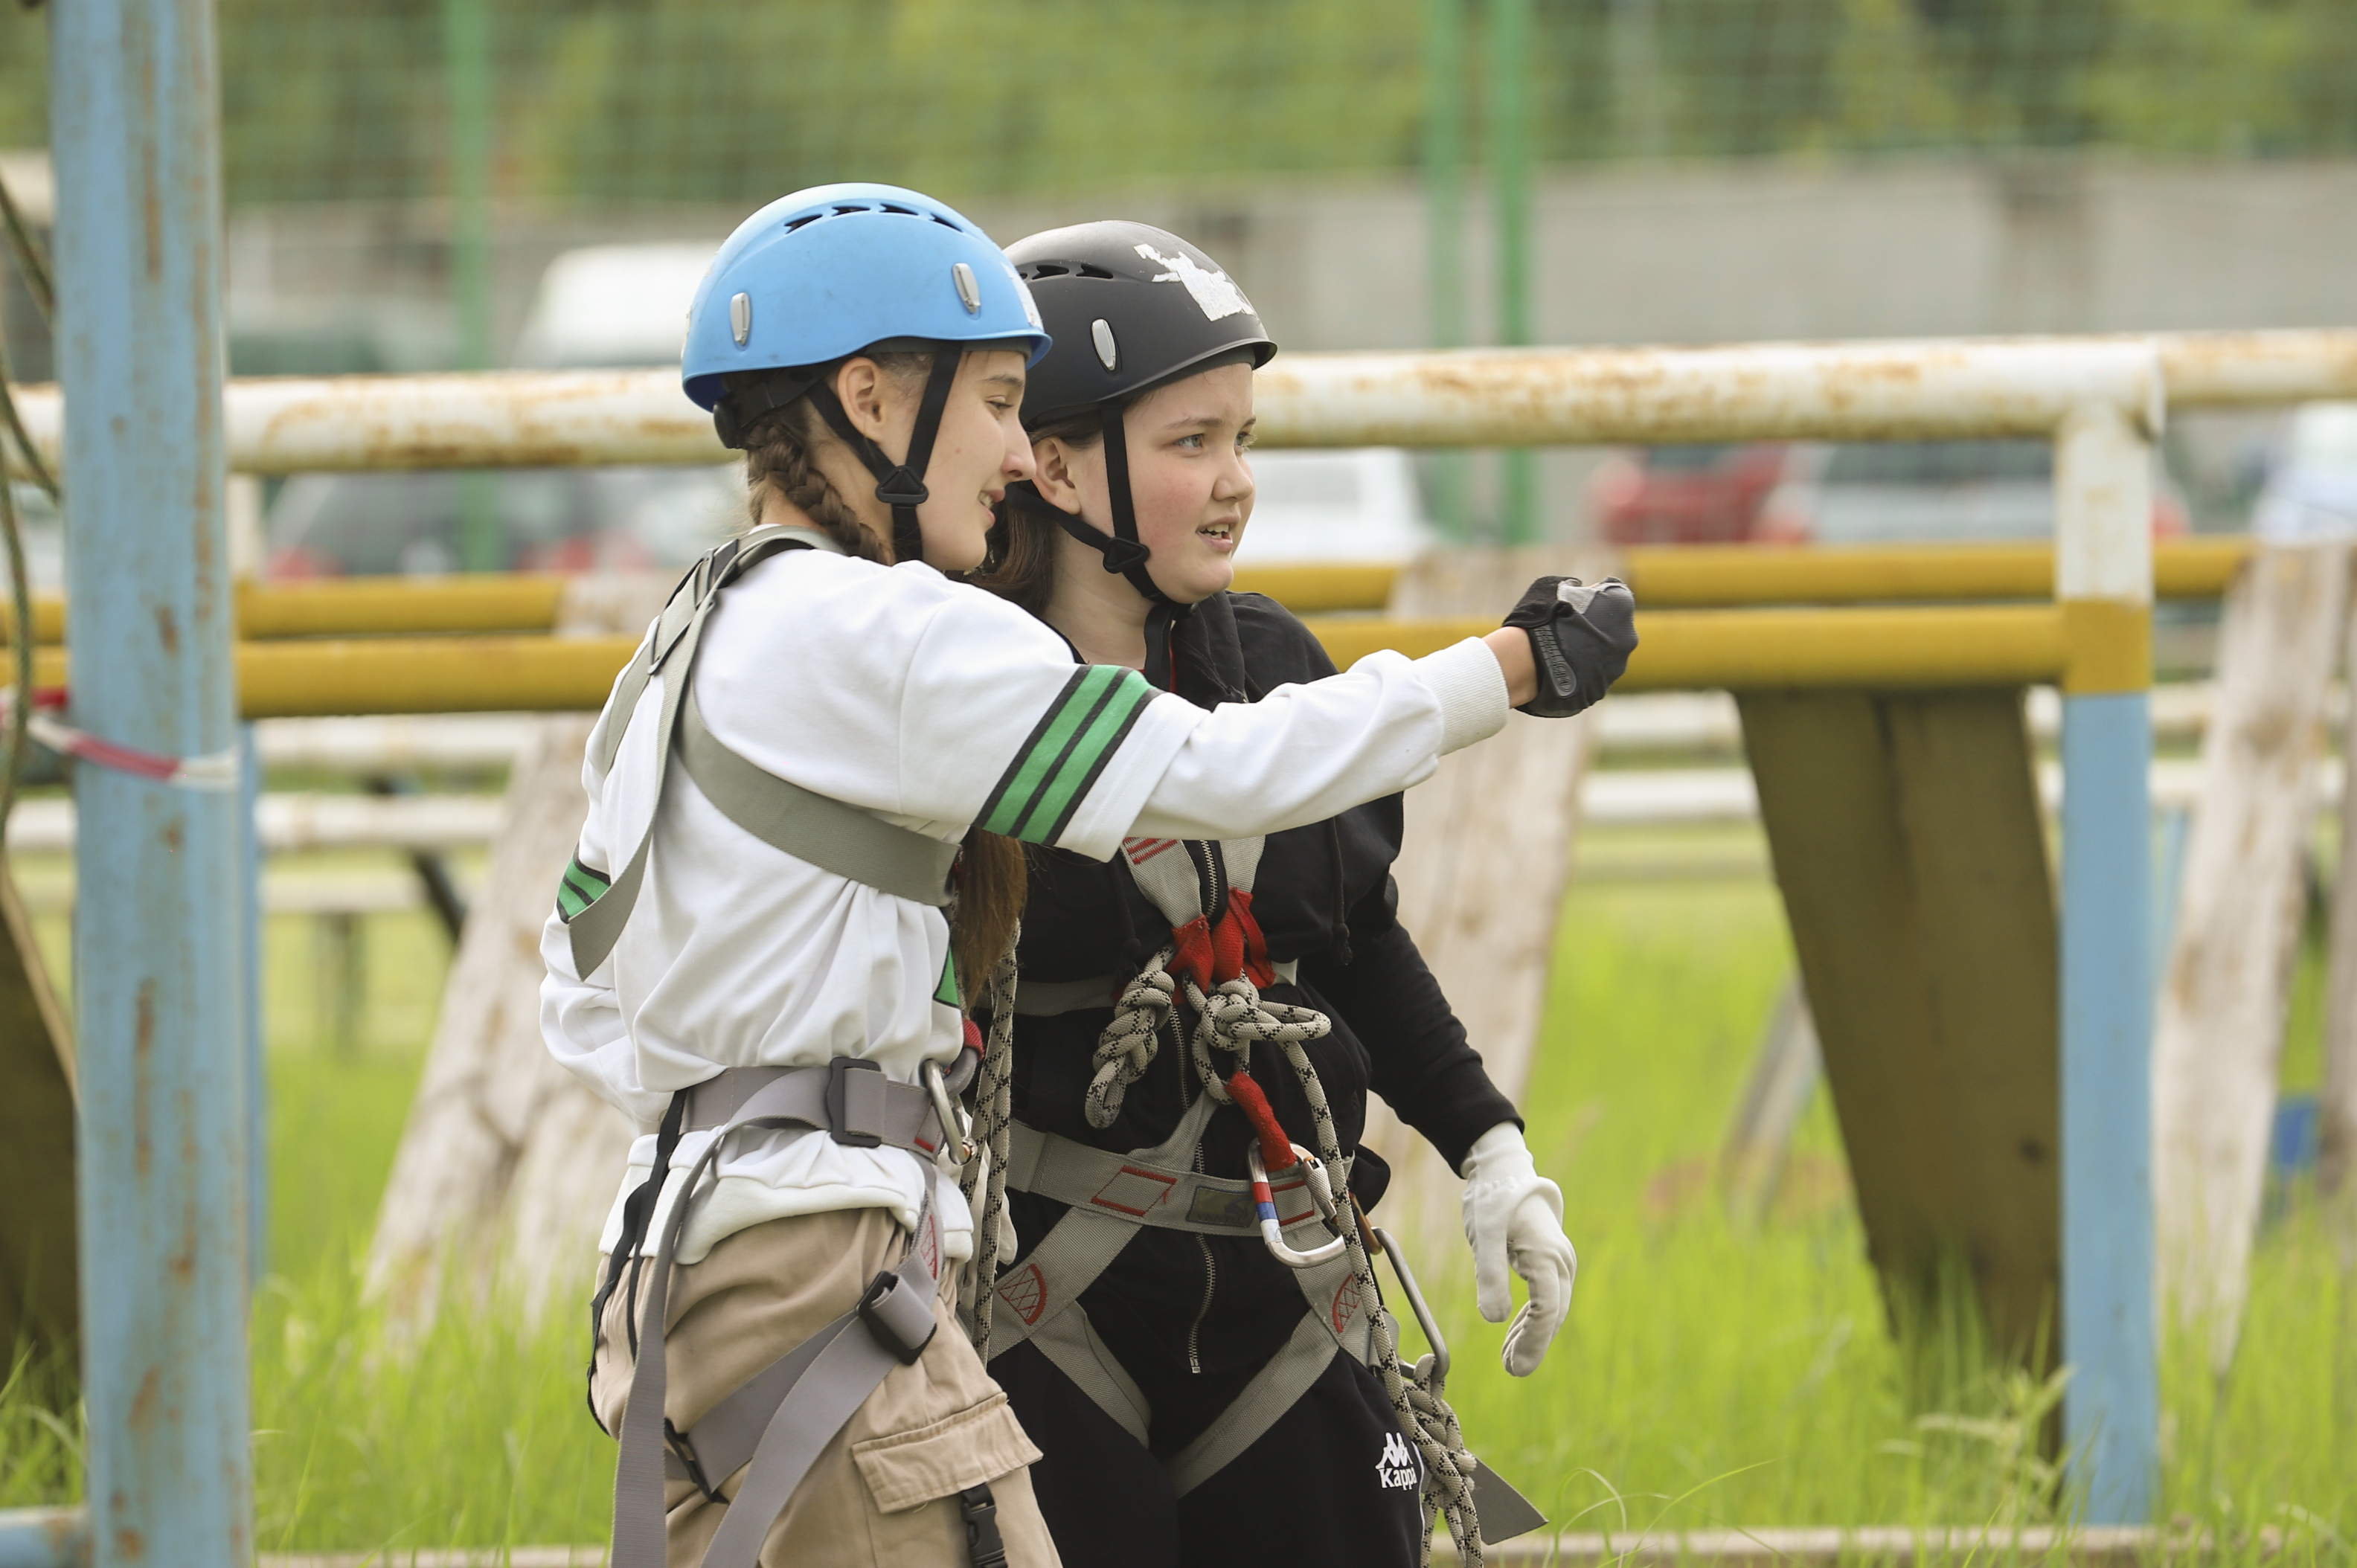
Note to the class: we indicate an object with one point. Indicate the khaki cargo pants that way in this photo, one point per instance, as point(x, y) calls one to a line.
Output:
point(885, 1490)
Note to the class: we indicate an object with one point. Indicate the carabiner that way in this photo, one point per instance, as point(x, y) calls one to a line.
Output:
point(955, 1130)
point(1321, 1193)
point(1423, 1319)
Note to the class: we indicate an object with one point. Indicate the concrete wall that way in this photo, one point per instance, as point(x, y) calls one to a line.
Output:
point(1649, 254)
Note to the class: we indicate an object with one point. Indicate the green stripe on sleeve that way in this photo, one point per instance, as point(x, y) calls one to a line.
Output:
point(946, 993)
point(580, 888)
point(1078, 768)
point(1011, 801)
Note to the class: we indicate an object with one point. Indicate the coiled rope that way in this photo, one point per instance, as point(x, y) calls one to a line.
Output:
point(994, 1125)
point(1230, 1019)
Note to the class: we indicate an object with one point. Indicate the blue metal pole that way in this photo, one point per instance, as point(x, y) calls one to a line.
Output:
point(2111, 1410)
point(158, 971)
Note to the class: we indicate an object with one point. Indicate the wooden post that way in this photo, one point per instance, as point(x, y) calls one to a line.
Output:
point(1909, 847)
point(2229, 988)
point(1481, 877)
point(2337, 1153)
point(39, 1302)
point(508, 1164)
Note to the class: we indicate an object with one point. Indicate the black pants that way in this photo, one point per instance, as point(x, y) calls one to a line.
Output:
point(1324, 1483)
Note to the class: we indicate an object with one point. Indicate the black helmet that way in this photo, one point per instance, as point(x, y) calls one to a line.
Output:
point(1129, 306)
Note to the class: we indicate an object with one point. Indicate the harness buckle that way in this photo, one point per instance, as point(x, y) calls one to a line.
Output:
point(684, 1451)
point(899, 1317)
point(979, 1510)
point(854, 1102)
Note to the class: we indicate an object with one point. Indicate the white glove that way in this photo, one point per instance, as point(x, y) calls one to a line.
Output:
point(1513, 1214)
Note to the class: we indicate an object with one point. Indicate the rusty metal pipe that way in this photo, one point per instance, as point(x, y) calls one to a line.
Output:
point(1957, 387)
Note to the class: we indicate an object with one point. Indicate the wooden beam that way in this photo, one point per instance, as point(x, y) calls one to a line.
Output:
point(2219, 1038)
point(1907, 838)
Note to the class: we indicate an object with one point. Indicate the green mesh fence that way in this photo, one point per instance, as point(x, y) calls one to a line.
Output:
point(733, 101)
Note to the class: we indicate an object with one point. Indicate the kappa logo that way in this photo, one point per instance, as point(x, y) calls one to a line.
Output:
point(1396, 1470)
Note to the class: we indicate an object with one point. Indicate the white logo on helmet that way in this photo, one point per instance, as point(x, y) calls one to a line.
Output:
point(1215, 291)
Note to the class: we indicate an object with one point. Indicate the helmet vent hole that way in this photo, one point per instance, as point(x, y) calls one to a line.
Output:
point(903, 211)
point(856, 207)
point(945, 223)
point(1089, 271)
point(1047, 270)
point(795, 223)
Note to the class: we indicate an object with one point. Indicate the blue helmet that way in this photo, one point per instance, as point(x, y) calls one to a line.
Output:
point(826, 271)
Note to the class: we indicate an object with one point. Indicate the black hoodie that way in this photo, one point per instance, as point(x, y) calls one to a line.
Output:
point(1324, 895)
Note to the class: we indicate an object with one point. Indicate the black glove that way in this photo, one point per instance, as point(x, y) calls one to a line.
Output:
point(1581, 637)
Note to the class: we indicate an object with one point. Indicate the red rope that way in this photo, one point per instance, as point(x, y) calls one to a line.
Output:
point(1275, 1148)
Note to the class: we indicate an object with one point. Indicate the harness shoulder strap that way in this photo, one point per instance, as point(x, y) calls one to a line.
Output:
point(824, 832)
point(829, 835)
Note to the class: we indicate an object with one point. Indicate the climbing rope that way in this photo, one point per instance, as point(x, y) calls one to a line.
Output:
point(1126, 1050)
point(993, 1127)
point(1230, 1019)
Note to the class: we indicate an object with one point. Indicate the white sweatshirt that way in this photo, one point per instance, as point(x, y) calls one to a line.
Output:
point(936, 706)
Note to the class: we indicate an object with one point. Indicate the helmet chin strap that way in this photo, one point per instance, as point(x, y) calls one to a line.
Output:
point(900, 485)
point(1123, 553)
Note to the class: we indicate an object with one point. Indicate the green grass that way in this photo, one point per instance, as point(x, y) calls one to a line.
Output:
point(1712, 1373)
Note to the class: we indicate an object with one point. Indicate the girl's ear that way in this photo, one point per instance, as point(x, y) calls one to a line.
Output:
point(859, 386)
point(1056, 484)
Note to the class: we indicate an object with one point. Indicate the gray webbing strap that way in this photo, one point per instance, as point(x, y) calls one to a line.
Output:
point(827, 833)
point(1274, 1390)
point(836, 1383)
point(1046, 998)
point(824, 832)
point(854, 1104)
point(1069, 1342)
point(1139, 1191)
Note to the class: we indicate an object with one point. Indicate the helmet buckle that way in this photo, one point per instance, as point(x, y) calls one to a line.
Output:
point(902, 486)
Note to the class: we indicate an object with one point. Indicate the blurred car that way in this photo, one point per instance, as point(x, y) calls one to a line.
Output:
point(44, 536)
point(543, 520)
point(603, 306)
point(2311, 490)
point(1888, 492)
point(1359, 504)
point(606, 306)
point(1685, 495)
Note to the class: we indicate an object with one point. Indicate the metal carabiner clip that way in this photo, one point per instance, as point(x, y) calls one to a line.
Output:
point(1321, 1193)
point(955, 1130)
point(1424, 1318)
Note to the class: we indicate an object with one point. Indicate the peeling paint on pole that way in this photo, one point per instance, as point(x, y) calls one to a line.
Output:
point(134, 98)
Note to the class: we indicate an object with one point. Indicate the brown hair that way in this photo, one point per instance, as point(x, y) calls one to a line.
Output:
point(780, 452)
point(1021, 565)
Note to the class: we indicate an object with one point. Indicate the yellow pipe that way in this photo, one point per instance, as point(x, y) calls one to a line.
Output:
point(1693, 577)
point(356, 606)
point(1313, 590)
point(1686, 576)
point(1979, 645)
point(429, 676)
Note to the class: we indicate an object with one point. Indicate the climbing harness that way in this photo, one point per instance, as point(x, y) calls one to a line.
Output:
point(775, 1423)
point(826, 832)
point(778, 1420)
point(1215, 964)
